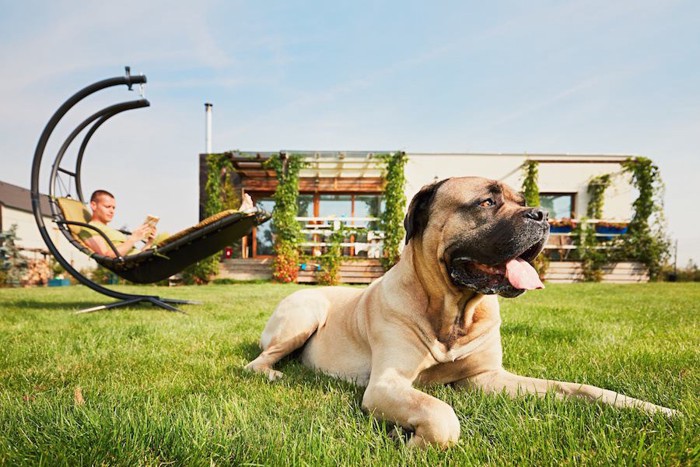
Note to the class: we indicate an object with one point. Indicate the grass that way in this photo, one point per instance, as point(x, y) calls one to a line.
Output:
point(148, 387)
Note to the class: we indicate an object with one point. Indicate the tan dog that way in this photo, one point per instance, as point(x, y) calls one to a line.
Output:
point(434, 317)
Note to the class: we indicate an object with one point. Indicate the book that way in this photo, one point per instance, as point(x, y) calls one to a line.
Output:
point(151, 220)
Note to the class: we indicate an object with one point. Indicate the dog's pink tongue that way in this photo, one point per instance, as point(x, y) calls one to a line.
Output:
point(522, 276)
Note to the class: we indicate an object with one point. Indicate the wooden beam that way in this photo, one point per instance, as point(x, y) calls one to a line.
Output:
point(314, 185)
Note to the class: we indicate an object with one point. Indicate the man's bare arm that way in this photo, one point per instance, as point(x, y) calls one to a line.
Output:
point(100, 246)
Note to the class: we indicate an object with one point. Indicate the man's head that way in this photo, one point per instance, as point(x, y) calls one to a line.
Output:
point(103, 205)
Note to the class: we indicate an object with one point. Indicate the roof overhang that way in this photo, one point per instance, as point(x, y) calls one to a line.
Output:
point(317, 164)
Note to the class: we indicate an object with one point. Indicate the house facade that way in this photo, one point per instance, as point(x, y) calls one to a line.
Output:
point(563, 179)
point(345, 190)
point(16, 209)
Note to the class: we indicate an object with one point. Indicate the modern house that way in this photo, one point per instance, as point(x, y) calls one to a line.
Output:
point(338, 189)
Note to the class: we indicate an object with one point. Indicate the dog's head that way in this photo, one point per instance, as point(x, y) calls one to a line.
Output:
point(481, 233)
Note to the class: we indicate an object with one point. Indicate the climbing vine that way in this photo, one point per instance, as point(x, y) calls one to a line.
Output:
point(285, 226)
point(330, 261)
point(596, 191)
point(220, 195)
point(220, 192)
point(530, 189)
point(588, 252)
point(395, 205)
point(646, 240)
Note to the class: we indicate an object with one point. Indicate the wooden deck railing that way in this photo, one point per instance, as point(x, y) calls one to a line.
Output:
point(561, 234)
point(366, 240)
point(362, 239)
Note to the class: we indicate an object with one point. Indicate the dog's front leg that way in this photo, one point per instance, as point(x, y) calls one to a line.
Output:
point(390, 396)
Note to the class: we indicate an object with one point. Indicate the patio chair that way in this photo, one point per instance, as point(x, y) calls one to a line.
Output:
point(70, 215)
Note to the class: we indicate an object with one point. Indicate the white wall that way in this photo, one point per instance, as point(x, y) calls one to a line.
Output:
point(422, 169)
point(29, 237)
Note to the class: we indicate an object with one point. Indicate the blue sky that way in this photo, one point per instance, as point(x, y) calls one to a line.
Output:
point(503, 76)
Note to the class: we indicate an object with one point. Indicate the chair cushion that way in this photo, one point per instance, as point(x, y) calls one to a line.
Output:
point(74, 210)
point(189, 230)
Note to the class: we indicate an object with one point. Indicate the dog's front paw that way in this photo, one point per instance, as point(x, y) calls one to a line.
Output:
point(400, 435)
point(272, 375)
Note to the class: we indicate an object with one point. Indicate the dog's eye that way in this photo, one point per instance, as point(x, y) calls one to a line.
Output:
point(487, 203)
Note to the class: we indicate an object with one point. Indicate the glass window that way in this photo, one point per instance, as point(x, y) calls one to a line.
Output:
point(369, 206)
point(559, 206)
point(264, 232)
point(306, 205)
point(335, 205)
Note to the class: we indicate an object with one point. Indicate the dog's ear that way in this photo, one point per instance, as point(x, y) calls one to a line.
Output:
point(419, 210)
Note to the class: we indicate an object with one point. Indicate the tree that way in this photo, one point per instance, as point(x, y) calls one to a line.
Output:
point(13, 266)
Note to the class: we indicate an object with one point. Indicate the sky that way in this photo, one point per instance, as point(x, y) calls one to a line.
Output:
point(575, 77)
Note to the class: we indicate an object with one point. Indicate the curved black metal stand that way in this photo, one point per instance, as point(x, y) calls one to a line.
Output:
point(97, 120)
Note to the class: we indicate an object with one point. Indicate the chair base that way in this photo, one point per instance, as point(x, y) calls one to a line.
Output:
point(137, 299)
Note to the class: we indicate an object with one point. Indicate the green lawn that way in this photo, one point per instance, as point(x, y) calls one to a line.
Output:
point(150, 387)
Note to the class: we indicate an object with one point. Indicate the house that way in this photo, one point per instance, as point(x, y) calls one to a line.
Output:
point(16, 209)
point(339, 188)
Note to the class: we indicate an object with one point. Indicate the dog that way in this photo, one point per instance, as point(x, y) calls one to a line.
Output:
point(434, 317)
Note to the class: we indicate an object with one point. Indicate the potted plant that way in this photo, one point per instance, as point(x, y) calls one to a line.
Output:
point(564, 225)
point(609, 228)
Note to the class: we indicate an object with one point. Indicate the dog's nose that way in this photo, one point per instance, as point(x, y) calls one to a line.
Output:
point(536, 214)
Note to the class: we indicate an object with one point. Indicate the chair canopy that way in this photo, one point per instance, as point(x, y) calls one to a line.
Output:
point(70, 215)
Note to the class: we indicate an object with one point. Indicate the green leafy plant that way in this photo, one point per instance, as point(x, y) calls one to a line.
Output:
point(531, 191)
point(395, 206)
point(588, 250)
point(530, 188)
point(286, 263)
point(102, 275)
point(690, 273)
point(220, 195)
point(331, 260)
point(592, 258)
point(596, 191)
point(13, 265)
point(646, 240)
point(284, 224)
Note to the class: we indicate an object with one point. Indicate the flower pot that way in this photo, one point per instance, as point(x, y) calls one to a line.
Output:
point(609, 231)
point(605, 229)
point(58, 282)
point(559, 229)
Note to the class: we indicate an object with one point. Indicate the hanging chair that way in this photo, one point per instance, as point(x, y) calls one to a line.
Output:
point(70, 214)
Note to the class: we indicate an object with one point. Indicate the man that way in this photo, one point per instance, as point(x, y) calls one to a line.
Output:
point(103, 205)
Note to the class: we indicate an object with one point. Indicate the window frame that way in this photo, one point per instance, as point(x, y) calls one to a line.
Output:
point(572, 195)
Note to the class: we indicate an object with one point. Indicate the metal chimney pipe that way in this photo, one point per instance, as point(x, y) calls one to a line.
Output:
point(207, 136)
